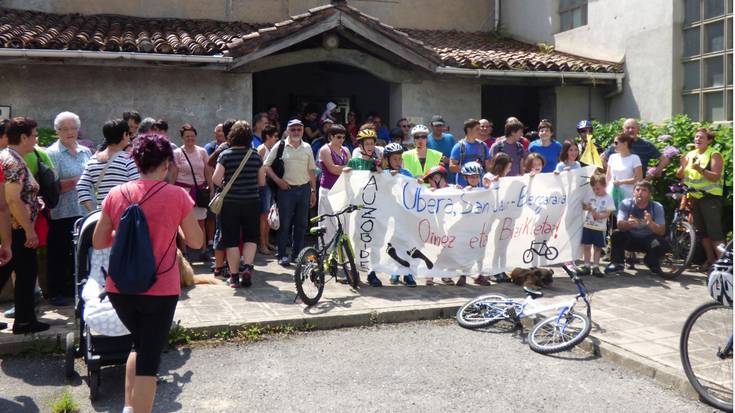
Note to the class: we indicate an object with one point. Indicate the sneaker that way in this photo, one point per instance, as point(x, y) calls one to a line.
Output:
point(482, 280)
point(631, 262)
point(3, 326)
point(597, 273)
point(501, 278)
point(613, 268)
point(373, 280)
point(29, 328)
point(656, 269)
point(447, 281)
point(283, 262)
point(395, 279)
point(246, 277)
point(10, 313)
point(234, 281)
point(409, 281)
point(59, 301)
point(584, 270)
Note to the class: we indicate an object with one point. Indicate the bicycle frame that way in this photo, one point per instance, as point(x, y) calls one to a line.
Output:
point(327, 251)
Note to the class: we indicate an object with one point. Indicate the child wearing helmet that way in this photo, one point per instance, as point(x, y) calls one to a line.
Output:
point(393, 160)
point(472, 173)
point(436, 177)
point(367, 158)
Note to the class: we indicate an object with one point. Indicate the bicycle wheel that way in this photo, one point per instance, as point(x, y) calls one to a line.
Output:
point(682, 240)
point(308, 276)
point(528, 255)
point(554, 334)
point(348, 266)
point(552, 253)
point(703, 337)
point(483, 311)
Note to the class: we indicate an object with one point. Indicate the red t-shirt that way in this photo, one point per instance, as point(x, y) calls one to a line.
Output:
point(164, 212)
point(2, 174)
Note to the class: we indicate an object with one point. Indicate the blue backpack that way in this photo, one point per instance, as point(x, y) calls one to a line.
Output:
point(132, 265)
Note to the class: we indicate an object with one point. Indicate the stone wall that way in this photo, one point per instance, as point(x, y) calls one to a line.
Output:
point(468, 15)
point(201, 97)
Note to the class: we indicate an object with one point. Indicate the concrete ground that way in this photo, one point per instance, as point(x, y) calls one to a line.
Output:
point(637, 317)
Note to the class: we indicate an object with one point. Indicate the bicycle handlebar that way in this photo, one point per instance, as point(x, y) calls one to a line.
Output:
point(348, 209)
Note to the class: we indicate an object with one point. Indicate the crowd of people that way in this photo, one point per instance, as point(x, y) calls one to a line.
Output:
point(288, 172)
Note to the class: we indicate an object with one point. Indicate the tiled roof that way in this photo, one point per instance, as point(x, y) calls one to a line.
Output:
point(486, 51)
point(37, 30)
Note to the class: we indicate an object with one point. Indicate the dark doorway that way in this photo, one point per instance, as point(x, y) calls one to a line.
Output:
point(292, 87)
point(523, 102)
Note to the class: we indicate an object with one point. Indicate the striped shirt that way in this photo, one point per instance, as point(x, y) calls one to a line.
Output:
point(245, 187)
point(121, 170)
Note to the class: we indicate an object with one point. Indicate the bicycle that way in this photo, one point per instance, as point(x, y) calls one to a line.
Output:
point(543, 251)
point(325, 258)
point(706, 350)
point(553, 334)
point(682, 237)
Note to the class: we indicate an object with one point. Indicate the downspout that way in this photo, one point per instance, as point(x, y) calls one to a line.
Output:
point(496, 22)
point(618, 88)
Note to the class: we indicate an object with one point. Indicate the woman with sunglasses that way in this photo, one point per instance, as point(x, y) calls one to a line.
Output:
point(624, 169)
point(420, 160)
point(333, 157)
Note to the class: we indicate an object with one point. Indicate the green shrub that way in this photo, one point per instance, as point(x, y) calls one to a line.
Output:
point(46, 136)
point(65, 404)
point(681, 129)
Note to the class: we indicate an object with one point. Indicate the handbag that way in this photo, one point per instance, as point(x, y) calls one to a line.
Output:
point(201, 195)
point(274, 220)
point(216, 204)
point(277, 166)
point(49, 183)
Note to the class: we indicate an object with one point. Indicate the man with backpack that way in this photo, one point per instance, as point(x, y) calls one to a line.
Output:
point(469, 149)
point(511, 145)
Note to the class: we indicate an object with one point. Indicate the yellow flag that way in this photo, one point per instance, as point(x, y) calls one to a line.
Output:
point(590, 155)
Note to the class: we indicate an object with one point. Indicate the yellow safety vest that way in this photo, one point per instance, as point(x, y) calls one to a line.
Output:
point(412, 163)
point(696, 180)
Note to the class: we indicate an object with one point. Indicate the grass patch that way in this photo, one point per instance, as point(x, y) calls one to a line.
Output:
point(65, 404)
point(39, 346)
point(180, 335)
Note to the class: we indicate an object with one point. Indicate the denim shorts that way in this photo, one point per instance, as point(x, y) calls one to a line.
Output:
point(593, 237)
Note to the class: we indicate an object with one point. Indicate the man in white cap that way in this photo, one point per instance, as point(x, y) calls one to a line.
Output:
point(296, 188)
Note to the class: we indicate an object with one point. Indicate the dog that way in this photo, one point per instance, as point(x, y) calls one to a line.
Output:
point(534, 277)
point(186, 273)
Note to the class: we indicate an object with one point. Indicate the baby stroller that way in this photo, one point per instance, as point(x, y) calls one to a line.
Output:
point(96, 349)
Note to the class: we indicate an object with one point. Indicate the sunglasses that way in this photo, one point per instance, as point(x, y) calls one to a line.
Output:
point(404, 126)
point(420, 137)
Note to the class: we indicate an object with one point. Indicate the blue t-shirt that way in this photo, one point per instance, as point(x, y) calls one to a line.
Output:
point(550, 153)
point(316, 145)
point(211, 147)
point(402, 171)
point(473, 152)
point(628, 209)
point(561, 165)
point(445, 146)
point(257, 141)
point(384, 134)
point(641, 147)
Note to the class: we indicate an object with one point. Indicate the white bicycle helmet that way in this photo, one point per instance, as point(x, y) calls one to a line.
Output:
point(419, 130)
point(472, 168)
point(392, 148)
point(719, 282)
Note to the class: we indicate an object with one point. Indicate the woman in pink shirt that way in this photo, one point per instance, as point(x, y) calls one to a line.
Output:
point(148, 316)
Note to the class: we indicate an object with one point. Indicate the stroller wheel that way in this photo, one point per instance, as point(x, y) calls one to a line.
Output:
point(93, 379)
point(69, 356)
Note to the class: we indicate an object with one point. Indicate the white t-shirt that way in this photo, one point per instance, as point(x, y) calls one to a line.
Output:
point(599, 204)
point(622, 168)
point(489, 177)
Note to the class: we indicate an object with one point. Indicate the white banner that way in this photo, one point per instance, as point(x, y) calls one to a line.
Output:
point(518, 222)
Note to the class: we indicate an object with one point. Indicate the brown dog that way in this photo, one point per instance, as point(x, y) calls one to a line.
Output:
point(186, 273)
point(533, 277)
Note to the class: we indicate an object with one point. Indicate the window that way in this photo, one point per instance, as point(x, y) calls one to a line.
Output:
point(707, 60)
point(572, 13)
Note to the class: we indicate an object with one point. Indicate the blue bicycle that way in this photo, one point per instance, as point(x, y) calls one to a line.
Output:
point(553, 334)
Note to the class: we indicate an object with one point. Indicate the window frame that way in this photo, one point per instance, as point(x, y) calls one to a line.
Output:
point(570, 10)
point(701, 57)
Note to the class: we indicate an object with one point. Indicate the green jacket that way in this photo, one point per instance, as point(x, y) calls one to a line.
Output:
point(412, 163)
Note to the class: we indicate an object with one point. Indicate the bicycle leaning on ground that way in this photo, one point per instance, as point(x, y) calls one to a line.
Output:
point(706, 339)
point(313, 263)
point(682, 237)
point(560, 332)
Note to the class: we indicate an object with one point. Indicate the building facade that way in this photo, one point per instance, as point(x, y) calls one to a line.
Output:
point(203, 62)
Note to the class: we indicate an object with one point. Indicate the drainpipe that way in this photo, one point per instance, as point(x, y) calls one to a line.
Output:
point(97, 55)
point(496, 22)
point(618, 88)
point(618, 77)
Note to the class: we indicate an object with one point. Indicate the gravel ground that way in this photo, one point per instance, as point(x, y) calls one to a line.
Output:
point(413, 367)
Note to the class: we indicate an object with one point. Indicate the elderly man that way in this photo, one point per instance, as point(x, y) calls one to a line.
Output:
point(219, 138)
point(641, 228)
point(486, 132)
point(641, 147)
point(296, 188)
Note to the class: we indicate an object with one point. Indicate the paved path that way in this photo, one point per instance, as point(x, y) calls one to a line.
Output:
point(411, 367)
point(636, 316)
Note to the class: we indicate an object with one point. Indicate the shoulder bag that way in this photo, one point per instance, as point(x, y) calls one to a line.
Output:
point(216, 204)
point(201, 195)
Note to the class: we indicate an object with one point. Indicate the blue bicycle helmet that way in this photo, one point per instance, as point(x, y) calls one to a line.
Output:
point(584, 124)
point(472, 168)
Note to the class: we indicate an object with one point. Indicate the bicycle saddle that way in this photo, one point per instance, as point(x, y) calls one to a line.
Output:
point(533, 293)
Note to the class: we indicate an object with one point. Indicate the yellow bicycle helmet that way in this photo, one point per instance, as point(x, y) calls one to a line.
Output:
point(366, 134)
